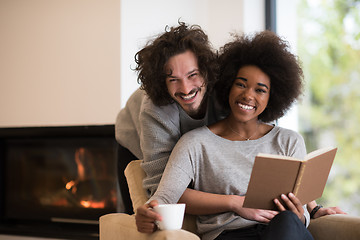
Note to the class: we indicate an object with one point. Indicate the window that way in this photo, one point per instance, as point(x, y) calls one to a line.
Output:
point(326, 37)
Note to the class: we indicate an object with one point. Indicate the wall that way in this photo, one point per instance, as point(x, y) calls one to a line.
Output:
point(59, 62)
point(60, 59)
point(217, 18)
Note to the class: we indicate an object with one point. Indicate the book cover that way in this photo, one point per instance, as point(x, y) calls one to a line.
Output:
point(273, 175)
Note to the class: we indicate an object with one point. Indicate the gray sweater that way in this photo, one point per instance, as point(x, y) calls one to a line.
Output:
point(150, 132)
point(217, 165)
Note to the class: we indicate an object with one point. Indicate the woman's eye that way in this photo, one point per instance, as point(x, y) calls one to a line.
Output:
point(261, 90)
point(239, 84)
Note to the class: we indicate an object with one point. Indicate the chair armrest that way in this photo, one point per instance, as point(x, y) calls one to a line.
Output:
point(335, 227)
point(117, 226)
point(134, 176)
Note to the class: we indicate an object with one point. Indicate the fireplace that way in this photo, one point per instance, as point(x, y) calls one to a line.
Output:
point(57, 181)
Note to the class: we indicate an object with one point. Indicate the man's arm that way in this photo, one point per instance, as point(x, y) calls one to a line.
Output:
point(127, 124)
point(159, 133)
point(323, 211)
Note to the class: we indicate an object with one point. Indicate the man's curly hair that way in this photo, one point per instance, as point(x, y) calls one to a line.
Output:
point(272, 55)
point(152, 58)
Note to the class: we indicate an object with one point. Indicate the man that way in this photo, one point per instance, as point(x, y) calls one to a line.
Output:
point(177, 71)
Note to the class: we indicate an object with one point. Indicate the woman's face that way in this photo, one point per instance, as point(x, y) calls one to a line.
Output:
point(249, 94)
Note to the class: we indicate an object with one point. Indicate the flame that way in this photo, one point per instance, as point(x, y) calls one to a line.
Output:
point(91, 204)
point(79, 158)
point(69, 185)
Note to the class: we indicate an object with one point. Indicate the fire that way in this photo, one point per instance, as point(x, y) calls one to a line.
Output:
point(92, 204)
point(69, 185)
point(85, 193)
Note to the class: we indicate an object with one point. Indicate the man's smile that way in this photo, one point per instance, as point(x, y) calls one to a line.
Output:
point(188, 97)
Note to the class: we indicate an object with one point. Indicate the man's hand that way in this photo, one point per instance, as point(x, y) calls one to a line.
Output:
point(145, 218)
point(328, 211)
point(292, 203)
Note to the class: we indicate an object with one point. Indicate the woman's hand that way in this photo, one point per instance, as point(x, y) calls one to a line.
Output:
point(259, 215)
point(145, 218)
point(292, 203)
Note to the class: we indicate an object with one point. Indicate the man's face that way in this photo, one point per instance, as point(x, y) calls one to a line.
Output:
point(184, 82)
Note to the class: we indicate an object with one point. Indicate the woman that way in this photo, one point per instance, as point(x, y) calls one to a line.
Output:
point(259, 81)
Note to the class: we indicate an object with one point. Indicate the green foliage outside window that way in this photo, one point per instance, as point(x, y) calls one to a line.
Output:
point(329, 48)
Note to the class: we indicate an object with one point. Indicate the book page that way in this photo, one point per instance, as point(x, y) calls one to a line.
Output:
point(315, 175)
point(267, 155)
point(318, 152)
point(269, 179)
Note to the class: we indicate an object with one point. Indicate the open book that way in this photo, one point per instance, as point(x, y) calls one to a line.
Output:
point(273, 175)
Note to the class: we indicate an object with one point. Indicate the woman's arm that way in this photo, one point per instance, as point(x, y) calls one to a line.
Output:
point(202, 203)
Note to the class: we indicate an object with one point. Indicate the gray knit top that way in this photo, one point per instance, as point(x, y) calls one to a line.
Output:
point(150, 132)
point(217, 165)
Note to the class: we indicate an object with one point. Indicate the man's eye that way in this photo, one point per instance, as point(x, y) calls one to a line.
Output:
point(193, 75)
point(172, 79)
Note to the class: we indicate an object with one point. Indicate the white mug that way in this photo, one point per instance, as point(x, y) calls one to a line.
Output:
point(172, 216)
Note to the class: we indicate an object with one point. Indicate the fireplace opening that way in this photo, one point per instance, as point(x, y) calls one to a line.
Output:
point(57, 181)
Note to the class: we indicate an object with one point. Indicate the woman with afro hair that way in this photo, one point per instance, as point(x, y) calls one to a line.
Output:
point(259, 80)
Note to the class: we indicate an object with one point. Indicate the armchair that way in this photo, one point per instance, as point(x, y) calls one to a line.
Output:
point(117, 226)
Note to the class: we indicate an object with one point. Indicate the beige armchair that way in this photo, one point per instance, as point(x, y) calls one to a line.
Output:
point(117, 226)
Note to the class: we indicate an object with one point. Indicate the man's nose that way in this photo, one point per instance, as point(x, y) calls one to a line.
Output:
point(186, 86)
